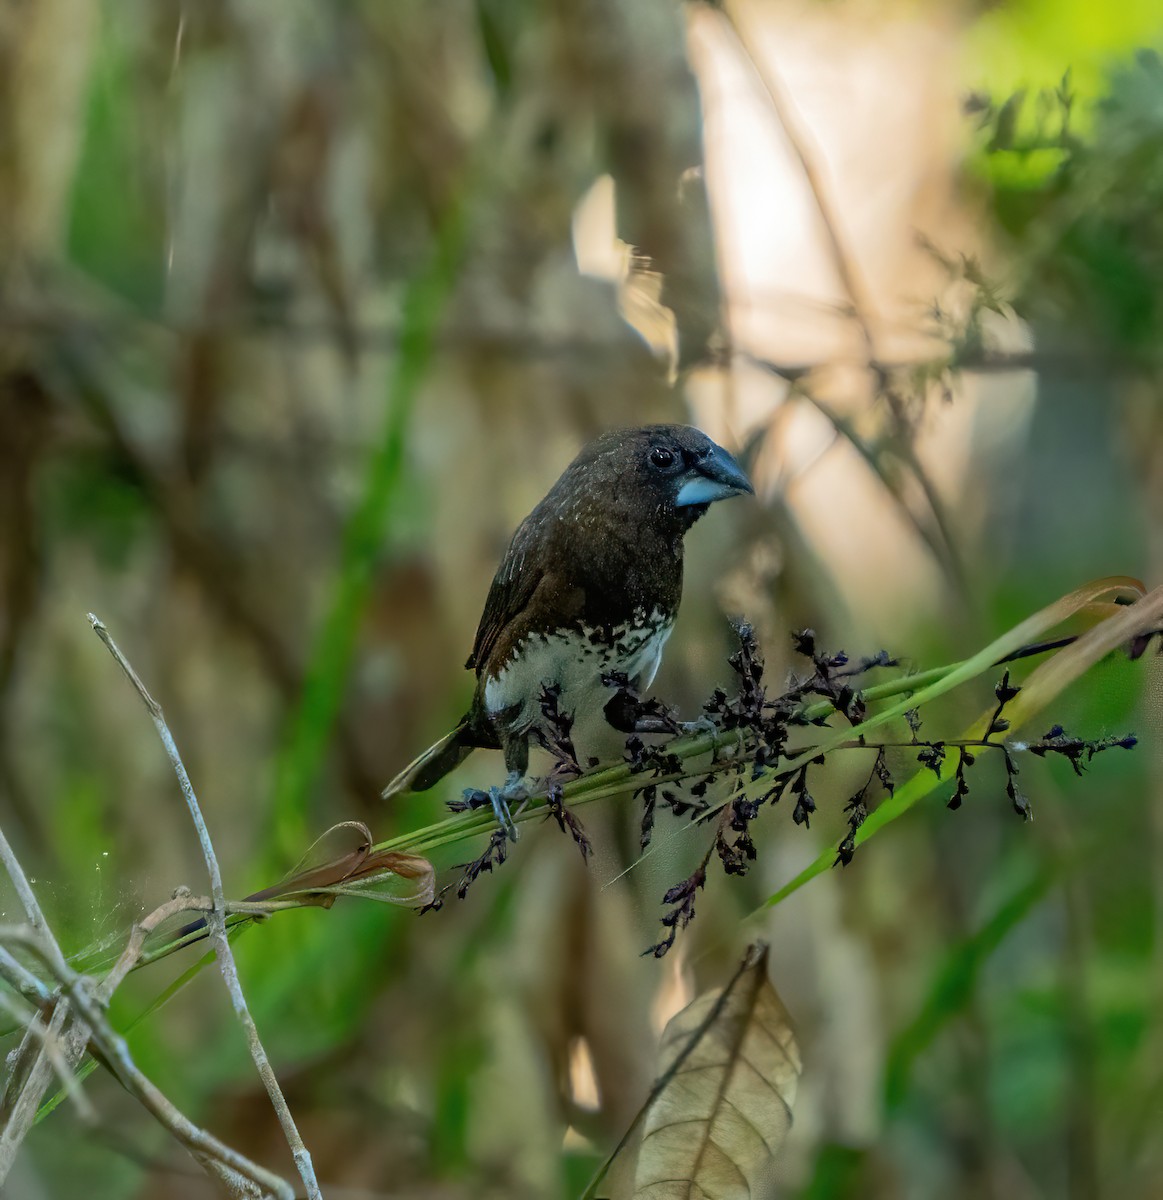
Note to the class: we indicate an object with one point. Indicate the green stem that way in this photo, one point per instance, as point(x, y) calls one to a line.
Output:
point(618, 778)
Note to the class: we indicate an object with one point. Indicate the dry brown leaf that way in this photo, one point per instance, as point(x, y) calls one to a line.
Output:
point(730, 1066)
point(363, 871)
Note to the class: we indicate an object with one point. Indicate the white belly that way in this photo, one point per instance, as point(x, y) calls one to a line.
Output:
point(576, 664)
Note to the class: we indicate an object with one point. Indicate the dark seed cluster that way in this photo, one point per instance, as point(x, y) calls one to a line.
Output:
point(494, 855)
point(567, 821)
point(764, 727)
point(762, 754)
point(682, 899)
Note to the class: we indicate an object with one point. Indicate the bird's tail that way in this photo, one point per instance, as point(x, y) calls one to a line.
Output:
point(427, 769)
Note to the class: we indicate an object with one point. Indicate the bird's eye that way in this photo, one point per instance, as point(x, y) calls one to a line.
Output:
point(661, 457)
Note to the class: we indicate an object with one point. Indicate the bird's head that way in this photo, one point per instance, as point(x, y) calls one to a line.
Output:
point(667, 474)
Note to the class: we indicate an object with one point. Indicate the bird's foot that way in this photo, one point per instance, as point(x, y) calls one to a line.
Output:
point(513, 792)
point(703, 724)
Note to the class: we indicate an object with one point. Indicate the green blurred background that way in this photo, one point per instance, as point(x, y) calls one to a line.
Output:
point(304, 305)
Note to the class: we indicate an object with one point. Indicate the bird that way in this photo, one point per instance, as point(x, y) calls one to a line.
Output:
point(586, 593)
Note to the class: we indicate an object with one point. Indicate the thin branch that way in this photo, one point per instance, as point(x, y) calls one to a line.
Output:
point(235, 1170)
point(135, 947)
point(29, 1082)
point(48, 1035)
point(60, 1050)
point(22, 980)
point(135, 954)
point(217, 923)
point(28, 901)
point(184, 783)
point(40, 1072)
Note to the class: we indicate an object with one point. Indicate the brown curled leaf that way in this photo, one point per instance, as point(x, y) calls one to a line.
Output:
point(362, 871)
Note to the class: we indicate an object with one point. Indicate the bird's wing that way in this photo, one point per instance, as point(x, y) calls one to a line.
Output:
point(513, 586)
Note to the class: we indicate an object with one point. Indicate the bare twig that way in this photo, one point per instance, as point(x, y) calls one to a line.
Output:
point(239, 1174)
point(28, 1080)
point(48, 1035)
point(135, 952)
point(60, 1049)
point(131, 955)
point(22, 980)
point(28, 901)
point(36, 1077)
point(175, 760)
point(216, 920)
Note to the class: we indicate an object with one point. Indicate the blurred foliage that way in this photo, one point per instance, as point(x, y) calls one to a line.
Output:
point(1087, 232)
point(1028, 44)
point(293, 335)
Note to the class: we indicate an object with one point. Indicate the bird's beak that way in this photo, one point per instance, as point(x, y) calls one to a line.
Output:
point(713, 478)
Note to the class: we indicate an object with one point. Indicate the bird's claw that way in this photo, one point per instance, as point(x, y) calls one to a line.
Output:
point(702, 724)
point(499, 798)
point(501, 811)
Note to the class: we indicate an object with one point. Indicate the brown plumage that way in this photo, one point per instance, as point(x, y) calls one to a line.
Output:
point(590, 584)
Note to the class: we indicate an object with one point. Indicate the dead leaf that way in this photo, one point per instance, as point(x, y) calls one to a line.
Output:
point(730, 1066)
point(363, 871)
